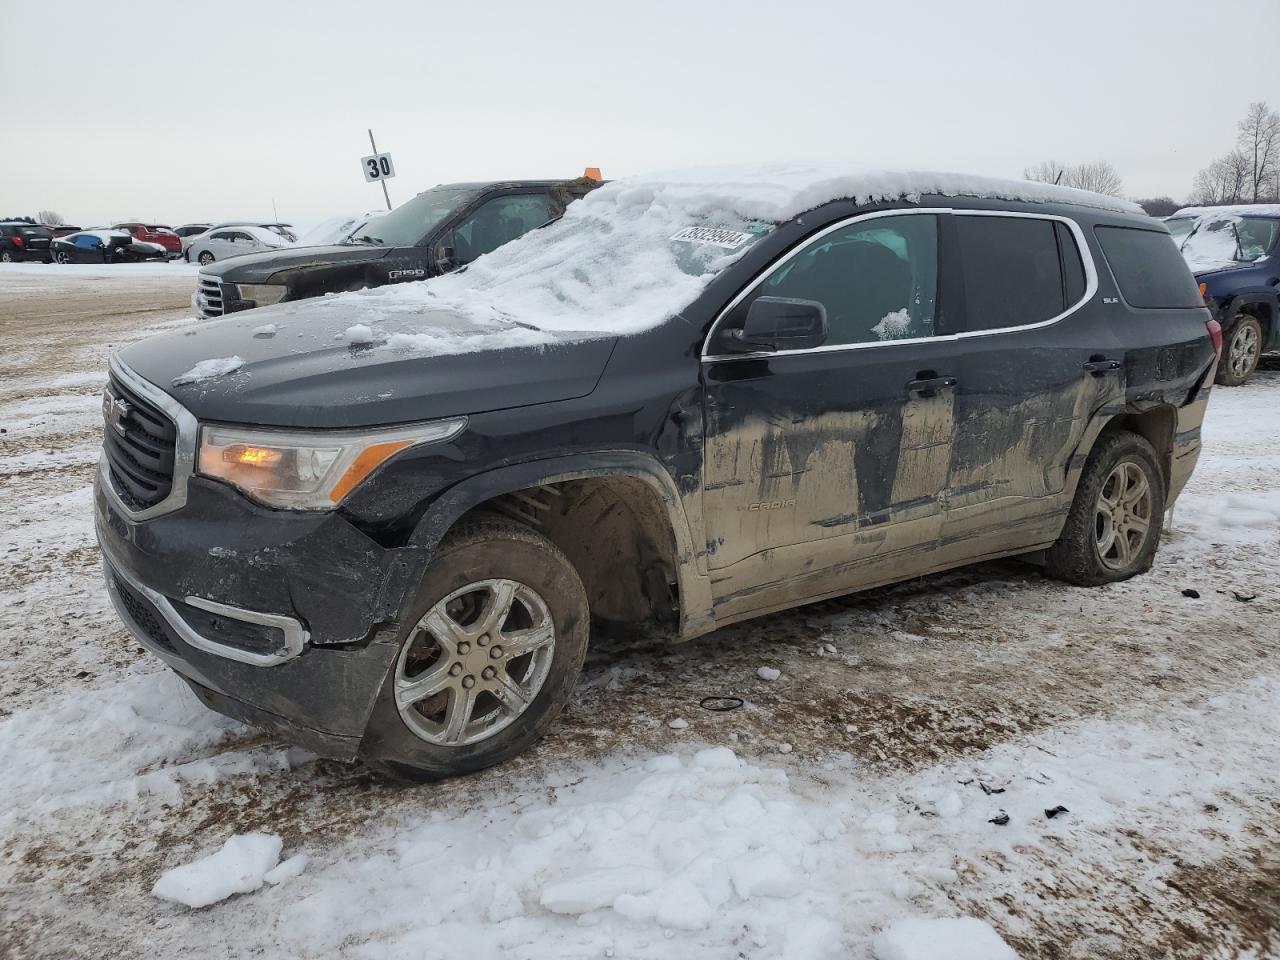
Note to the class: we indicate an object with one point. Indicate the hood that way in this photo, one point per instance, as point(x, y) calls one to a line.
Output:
point(1207, 270)
point(287, 366)
point(261, 267)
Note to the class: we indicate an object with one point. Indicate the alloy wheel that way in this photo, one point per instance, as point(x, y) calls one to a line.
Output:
point(1122, 515)
point(474, 662)
point(1244, 350)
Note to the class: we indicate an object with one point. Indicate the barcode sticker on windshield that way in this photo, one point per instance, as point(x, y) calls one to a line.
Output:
point(729, 239)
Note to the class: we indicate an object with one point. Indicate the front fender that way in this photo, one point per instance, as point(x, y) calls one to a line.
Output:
point(696, 614)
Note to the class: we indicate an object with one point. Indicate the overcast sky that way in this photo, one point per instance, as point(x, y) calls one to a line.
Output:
point(177, 112)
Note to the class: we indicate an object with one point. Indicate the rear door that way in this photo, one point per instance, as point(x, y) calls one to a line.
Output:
point(1036, 367)
point(823, 468)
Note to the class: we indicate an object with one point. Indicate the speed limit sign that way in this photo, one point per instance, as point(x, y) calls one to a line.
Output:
point(378, 167)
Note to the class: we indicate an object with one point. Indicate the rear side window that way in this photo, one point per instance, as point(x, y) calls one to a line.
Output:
point(1012, 271)
point(1073, 282)
point(1148, 268)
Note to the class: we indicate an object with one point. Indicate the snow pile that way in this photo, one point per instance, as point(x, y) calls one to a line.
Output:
point(893, 326)
point(768, 673)
point(613, 265)
point(1234, 210)
point(209, 369)
point(358, 333)
point(239, 867)
point(107, 745)
point(266, 330)
point(950, 938)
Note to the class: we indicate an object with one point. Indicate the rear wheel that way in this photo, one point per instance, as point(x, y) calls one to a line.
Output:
point(206, 258)
point(1113, 528)
point(494, 644)
point(6, 256)
point(1241, 351)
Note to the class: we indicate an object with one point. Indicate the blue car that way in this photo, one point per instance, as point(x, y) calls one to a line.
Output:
point(1234, 253)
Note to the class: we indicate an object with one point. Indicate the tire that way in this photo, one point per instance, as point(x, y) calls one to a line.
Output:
point(6, 256)
point(415, 740)
point(1079, 556)
point(1241, 350)
point(205, 258)
point(62, 257)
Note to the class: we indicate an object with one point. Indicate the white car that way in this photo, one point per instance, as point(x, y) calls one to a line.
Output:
point(222, 243)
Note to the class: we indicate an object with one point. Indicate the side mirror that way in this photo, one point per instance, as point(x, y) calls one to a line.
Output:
point(781, 323)
point(446, 259)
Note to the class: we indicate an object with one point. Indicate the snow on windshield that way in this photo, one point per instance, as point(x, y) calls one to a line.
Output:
point(614, 263)
point(1220, 240)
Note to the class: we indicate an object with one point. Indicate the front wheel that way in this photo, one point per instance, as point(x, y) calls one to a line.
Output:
point(206, 258)
point(1242, 352)
point(492, 648)
point(1113, 527)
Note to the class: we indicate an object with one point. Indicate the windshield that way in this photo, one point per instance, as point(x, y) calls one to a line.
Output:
point(408, 224)
point(1224, 239)
point(1180, 227)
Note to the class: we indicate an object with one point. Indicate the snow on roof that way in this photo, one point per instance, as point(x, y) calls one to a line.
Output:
point(614, 264)
point(1233, 210)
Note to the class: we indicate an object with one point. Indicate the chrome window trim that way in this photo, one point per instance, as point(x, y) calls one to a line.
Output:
point(184, 449)
point(295, 635)
point(1086, 259)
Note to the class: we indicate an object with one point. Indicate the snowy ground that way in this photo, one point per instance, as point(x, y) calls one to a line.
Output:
point(852, 793)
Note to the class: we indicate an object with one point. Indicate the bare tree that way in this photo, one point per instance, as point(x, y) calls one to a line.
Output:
point(50, 218)
point(1096, 175)
point(1226, 180)
point(1047, 171)
point(1259, 142)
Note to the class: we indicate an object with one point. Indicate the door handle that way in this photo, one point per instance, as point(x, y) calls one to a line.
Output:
point(929, 387)
point(1099, 367)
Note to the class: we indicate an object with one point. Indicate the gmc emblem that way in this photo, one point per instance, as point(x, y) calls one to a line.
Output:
point(115, 411)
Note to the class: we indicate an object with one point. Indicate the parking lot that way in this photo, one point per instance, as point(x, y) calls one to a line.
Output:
point(904, 721)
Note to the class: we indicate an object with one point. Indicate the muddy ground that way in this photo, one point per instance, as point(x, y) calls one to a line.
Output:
point(896, 681)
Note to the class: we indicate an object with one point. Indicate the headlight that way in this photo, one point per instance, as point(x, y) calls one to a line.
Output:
point(263, 294)
point(307, 469)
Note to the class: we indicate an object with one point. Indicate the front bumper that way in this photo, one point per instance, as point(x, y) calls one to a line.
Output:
point(281, 619)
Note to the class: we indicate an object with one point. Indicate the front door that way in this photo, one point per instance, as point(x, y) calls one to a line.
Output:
point(824, 468)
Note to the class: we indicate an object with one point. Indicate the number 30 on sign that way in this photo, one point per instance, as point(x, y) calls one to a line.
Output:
point(378, 167)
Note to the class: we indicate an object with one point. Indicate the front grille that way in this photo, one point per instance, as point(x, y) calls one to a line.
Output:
point(142, 613)
point(139, 442)
point(210, 291)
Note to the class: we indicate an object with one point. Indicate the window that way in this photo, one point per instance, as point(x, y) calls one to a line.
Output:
point(499, 221)
point(222, 235)
point(1073, 282)
point(1148, 268)
point(1012, 271)
point(878, 279)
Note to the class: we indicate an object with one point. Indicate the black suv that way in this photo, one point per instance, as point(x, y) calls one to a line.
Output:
point(437, 231)
point(687, 403)
point(25, 241)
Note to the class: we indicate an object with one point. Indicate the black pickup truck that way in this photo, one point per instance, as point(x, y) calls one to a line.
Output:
point(439, 230)
point(688, 403)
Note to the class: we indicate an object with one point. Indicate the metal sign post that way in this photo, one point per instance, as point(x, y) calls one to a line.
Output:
point(383, 179)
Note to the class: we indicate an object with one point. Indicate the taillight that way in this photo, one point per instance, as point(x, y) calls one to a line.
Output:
point(1215, 334)
point(17, 239)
